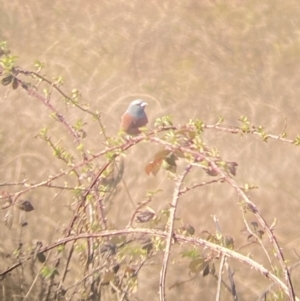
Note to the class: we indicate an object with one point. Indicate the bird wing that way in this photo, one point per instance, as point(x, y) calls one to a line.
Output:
point(132, 125)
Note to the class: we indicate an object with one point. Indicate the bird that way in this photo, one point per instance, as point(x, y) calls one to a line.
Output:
point(134, 117)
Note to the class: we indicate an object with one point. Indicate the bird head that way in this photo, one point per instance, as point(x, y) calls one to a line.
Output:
point(137, 108)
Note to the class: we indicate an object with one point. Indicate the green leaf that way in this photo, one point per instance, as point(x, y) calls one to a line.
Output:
point(7, 80)
point(80, 147)
point(297, 140)
point(48, 272)
point(221, 120)
point(60, 248)
point(193, 254)
point(169, 163)
point(197, 265)
point(165, 121)
point(39, 65)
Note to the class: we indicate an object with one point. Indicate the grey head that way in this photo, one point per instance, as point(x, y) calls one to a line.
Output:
point(137, 108)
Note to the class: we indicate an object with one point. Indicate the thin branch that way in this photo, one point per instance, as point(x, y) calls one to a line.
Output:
point(266, 227)
point(232, 283)
point(224, 262)
point(170, 224)
point(32, 92)
point(237, 130)
point(128, 283)
point(157, 233)
point(220, 277)
point(140, 206)
point(84, 196)
point(263, 295)
point(250, 205)
point(186, 189)
point(256, 237)
point(126, 145)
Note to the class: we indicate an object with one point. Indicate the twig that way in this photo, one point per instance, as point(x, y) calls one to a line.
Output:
point(251, 206)
point(128, 283)
point(126, 145)
point(157, 233)
point(83, 198)
point(232, 283)
point(263, 295)
point(256, 237)
point(186, 189)
point(224, 262)
point(266, 227)
point(170, 224)
point(237, 130)
point(143, 204)
point(32, 92)
point(36, 277)
point(220, 277)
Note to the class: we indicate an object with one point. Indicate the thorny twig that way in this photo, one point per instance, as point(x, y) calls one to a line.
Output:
point(170, 223)
point(251, 206)
point(163, 234)
point(218, 294)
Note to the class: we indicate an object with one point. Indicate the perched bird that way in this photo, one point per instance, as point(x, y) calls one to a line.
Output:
point(134, 117)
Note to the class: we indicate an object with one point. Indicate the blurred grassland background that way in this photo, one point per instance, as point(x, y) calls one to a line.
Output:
point(190, 59)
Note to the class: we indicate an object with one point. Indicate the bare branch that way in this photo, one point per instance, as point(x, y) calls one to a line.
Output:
point(170, 224)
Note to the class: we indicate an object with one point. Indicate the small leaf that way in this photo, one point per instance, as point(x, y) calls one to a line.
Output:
point(60, 248)
point(255, 225)
point(232, 167)
point(37, 254)
point(162, 154)
point(25, 206)
point(116, 268)
point(251, 238)
point(169, 163)
point(15, 84)
point(24, 224)
point(108, 249)
point(6, 204)
point(81, 133)
point(228, 242)
point(107, 277)
point(260, 233)
point(41, 257)
point(48, 272)
point(297, 140)
point(7, 80)
point(221, 120)
point(190, 253)
point(211, 171)
point(147, 245)
point(8, 219)
point(24, 86)
point(153, 167)
point(197, 265)
point(205, 271)
point(144, 216)
point(189, 229)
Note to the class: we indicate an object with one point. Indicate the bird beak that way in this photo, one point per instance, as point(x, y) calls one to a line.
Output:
point(143, 104)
